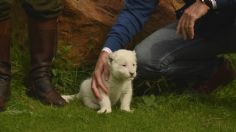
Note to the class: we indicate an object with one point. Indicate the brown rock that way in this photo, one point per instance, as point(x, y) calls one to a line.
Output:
point(85, 23)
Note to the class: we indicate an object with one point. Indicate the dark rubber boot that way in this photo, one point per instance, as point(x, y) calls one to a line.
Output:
point(5, 66)
point(43, 35)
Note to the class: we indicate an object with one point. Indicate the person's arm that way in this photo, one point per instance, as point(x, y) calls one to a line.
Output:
point(195, 11)
point(187, 21)
point(129, 22)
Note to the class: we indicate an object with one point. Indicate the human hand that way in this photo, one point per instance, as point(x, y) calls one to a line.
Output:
point(100, 74)
point(187, 21)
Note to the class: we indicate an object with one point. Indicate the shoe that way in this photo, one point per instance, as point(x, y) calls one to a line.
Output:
point(223, 75)
point(43, 90)
point(43, 35)
point(4, 92)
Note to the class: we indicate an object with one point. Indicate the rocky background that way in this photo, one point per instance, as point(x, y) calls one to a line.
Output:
point(84, 24)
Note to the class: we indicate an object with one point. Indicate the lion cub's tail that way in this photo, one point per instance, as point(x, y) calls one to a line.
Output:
point(69, 98)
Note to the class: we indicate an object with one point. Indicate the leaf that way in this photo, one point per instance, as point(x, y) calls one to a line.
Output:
point(150, 101)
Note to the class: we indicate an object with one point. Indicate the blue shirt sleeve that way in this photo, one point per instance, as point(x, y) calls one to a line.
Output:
point(129, 23)
point(225, 3)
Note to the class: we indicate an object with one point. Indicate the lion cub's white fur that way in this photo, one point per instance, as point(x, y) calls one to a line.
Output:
point(122, 66)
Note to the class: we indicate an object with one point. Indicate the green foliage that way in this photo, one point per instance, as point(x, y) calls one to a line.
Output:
point(67, 76)
point(150, 101)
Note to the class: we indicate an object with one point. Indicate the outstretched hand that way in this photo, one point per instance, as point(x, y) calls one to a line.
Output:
point(100, 74)
point(187, 21)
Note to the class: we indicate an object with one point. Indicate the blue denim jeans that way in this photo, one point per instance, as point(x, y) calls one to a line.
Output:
point(166, 53)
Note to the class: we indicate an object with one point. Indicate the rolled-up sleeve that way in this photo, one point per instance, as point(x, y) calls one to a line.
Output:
point(129, 23)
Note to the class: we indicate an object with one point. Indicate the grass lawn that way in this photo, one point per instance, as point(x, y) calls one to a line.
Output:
point(164, 113)
point(167, 112)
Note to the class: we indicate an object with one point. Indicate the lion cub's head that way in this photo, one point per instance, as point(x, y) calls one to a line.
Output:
point(123, 64)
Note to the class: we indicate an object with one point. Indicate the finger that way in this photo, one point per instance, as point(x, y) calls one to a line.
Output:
point(188, 27)
point(95, 89)
point(100, 82)
point(191, 30)
point(182, 27)
point(179, 26)
point(106, 74)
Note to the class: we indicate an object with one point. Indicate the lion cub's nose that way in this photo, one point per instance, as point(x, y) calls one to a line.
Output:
point(131, 74)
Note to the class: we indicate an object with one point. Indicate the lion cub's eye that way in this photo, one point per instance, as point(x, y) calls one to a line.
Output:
point(124, 65)
point(134, 64)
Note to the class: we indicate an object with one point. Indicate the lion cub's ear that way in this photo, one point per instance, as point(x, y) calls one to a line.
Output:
point(110, 58)
point(134, 53)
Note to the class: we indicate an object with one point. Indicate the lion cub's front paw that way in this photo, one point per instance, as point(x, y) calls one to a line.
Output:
point(127, 110)
point(104, 110)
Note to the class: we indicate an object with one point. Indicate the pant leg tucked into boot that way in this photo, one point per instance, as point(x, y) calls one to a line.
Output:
point(43, 35)
point(4, 63)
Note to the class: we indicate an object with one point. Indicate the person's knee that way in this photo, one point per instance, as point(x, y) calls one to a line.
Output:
point(44, 9)
point(157, 61)
point(5, 6)
point(152, 66)
point(143, 57)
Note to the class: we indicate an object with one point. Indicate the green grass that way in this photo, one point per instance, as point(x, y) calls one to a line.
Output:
point(167, 112)
point(170, 112)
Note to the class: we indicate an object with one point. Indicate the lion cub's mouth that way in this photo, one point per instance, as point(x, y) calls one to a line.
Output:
point(132, 77)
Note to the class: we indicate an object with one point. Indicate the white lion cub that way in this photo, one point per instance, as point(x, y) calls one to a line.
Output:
point(122, 66)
